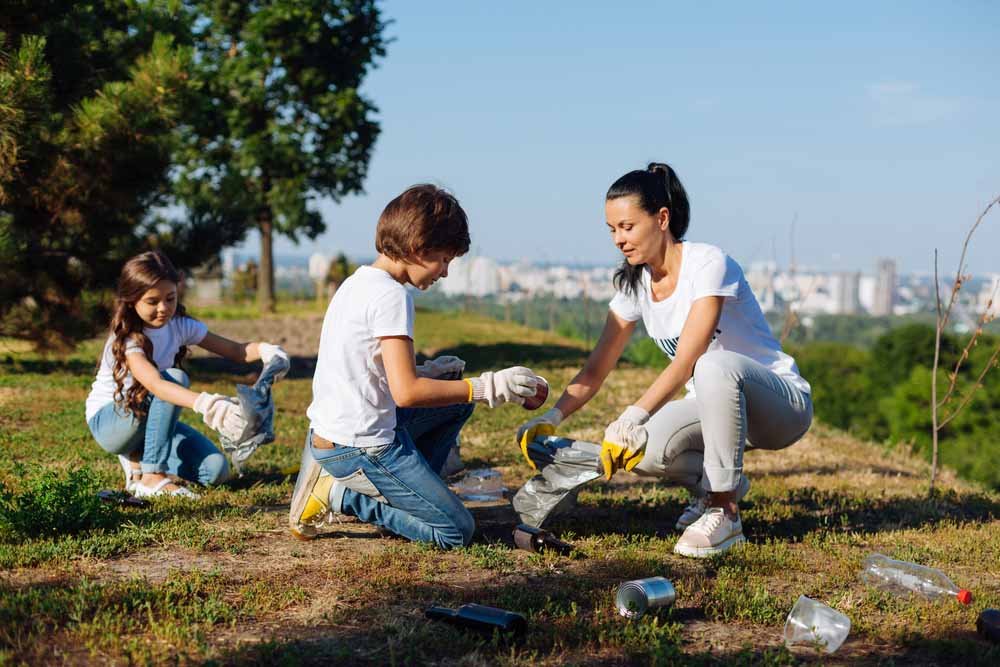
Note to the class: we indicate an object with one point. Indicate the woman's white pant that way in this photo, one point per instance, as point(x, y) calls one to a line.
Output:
point(698, 442)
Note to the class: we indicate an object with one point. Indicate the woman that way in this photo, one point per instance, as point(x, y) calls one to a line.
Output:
point(696, 305)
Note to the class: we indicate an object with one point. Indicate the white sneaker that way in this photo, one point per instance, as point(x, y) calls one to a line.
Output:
point(713, 533)
point(699, 504)
point(132, 475)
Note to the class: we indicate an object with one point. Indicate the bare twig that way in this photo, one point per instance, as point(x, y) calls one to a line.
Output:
point(942, 322)
point(983, 320)
point(979, 383)
point(791, 316)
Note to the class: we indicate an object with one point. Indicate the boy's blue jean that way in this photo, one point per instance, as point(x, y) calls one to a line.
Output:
point(167, 445)
point(417, 503)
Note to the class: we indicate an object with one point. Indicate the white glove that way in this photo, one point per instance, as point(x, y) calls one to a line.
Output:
point(268, 352)
point(447, 367)
point(222, 414)
point(511, 385)
point(544, 425)
point(624, 441)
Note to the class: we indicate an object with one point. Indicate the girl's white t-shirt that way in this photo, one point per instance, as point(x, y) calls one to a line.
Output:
point(351, 402)
point(707, 271)
point(167, 340)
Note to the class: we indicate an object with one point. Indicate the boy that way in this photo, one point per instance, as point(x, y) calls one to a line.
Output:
point(378, 430)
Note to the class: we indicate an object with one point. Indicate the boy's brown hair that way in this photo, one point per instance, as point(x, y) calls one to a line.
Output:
point(423, 219)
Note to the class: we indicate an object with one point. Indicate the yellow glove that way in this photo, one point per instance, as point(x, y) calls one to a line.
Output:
point(624, 441)
point(539, 426)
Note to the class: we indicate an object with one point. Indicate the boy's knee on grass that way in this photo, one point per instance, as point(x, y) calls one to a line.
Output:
point(459, 535)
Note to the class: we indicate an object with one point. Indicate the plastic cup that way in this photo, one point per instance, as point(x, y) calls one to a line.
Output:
point(813, 623)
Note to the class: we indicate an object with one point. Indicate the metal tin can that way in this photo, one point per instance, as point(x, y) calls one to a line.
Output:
point(637, 597)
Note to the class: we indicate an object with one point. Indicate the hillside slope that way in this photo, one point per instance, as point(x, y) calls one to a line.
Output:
point(222, 580)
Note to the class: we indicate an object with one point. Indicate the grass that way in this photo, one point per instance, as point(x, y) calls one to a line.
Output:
point(219, 581)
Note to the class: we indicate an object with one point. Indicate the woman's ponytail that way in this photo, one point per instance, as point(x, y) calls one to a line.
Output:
point(655, 187)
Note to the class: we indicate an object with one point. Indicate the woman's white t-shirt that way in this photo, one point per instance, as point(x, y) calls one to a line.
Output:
point(707, 271)
point(166, 340)
point(351, 402)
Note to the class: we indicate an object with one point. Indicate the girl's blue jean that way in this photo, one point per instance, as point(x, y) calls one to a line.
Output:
point(167, 445)
point(417, 503)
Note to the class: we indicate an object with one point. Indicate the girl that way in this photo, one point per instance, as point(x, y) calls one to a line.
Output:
point(135, 401)
point(695, 303)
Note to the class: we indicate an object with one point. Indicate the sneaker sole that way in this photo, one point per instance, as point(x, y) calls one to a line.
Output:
point(303, 533)
point(705, 552)
point(301, 503)
point(682, 525)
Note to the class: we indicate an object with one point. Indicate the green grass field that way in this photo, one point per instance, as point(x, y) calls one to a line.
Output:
point(221, 581)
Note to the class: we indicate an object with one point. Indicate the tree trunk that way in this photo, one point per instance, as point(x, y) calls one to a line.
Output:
point(265, 281)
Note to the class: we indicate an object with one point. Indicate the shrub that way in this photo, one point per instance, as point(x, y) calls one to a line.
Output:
point(51, 504)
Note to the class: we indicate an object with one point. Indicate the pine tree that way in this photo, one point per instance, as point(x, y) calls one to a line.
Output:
point(91, 94)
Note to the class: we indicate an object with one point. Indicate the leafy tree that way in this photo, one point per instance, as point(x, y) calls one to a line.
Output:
point(280, 119)
point(897, 352)
point(841, 390)
point(91, 94)
point(340, 270)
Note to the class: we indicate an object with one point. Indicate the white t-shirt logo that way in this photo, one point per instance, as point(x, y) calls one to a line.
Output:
point(669, 345)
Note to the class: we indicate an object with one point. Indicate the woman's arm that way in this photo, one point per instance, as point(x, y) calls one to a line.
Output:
point(144, 372)
point(699, 327)
point(410, 391)
point(602, 359)
point(230, 349)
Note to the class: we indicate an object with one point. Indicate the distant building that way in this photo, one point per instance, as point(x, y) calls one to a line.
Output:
point(475, 276)
point(845, 292)
point(885, 287)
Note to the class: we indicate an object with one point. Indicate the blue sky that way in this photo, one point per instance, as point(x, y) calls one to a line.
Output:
point(874, 126)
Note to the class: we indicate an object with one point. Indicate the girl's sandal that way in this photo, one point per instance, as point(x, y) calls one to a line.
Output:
point(142, 491)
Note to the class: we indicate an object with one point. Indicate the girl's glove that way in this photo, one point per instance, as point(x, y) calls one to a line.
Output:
point(511, 385)
point(447, 367)
point(544, 425)
point(268, 352)
point(222, 414)
point(624, 441)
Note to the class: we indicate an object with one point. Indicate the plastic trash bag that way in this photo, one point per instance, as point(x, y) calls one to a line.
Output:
point(564, 467)
point(257, 406)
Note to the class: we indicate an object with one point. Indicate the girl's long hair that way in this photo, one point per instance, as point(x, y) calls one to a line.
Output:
point(657, 186)
point(139, 275)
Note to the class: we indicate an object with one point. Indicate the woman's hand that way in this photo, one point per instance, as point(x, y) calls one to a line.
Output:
point(531, 429)
point(221, 414)
point(624, 441)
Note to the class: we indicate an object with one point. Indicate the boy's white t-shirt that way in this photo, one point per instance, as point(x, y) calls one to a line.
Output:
point(351, 402)
point(707, 271)
point(167, 340)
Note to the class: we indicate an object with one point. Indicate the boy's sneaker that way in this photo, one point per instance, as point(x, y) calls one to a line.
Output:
point(699, 504)
point(713, 533)
point(310, 508)
point(132, 475)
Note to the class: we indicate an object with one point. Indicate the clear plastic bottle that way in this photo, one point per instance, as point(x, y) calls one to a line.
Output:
point(900, 576)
